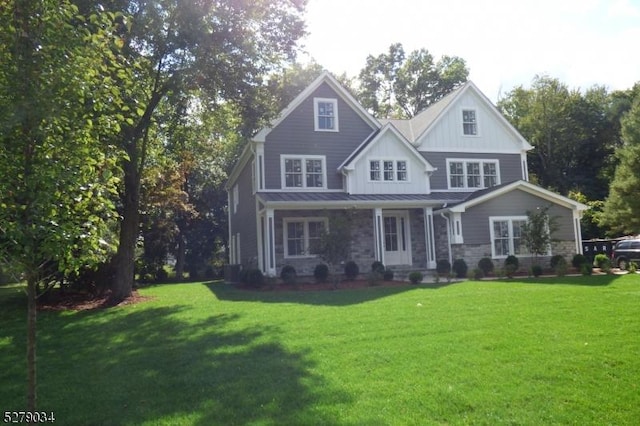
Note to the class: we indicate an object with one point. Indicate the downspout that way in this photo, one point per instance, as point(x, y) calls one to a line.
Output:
point(448, 233)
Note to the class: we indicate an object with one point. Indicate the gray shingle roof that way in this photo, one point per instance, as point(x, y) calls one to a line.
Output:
point(341, 197)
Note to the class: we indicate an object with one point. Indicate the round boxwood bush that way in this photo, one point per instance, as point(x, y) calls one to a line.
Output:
point(378, 267)
point(553, 262)
point(511, 264)
point(321, 273)
point(602, 261)
point(579, 260)
point(415, 277)
point(252, 277)
point(351, 270)
point(443, 267)
point(485, 265)
point(536, 270)
point(288, 274)
point(460, 268)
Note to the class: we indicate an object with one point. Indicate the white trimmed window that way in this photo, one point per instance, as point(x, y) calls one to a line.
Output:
point(469, 122)
point(388, 170)
point(303, 172)
point(301, 235)
point(472, 174)
point(506, 236)
point(326, 114)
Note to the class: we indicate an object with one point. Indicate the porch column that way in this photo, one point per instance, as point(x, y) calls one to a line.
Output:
point(270, 241)
point(429, 239)
point(378, 234)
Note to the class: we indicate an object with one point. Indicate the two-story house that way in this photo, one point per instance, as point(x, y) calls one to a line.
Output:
point(451, 182)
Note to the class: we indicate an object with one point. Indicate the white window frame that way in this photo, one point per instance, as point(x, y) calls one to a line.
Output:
point(236, 198)
point(316, 114)
point(303, 159)
point(305, 221)
point(465, 175)
point(475, 123)
point(511, 251)
point(394, 171)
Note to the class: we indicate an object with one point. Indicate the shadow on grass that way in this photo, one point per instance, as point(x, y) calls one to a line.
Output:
point(337, 297)
point(599, 280)
point(157, 364)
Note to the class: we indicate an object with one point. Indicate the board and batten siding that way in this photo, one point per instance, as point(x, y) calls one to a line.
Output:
point(295, 135)
point(510, 166)
point(475, 221)
point(446, 134)
point(243, 219)
point(388, 147)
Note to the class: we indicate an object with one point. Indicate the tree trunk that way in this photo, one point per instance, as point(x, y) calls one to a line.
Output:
point(31, 343)
point(180, 255)
point(125, 257)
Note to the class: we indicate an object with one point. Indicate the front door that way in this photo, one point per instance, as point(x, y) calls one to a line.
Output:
point(397, 241)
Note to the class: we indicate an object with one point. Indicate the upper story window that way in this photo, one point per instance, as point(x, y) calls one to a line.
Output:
point(303, 172)
point(472, 174)
point(388, 170)
point(469, 122)
point(326, 114)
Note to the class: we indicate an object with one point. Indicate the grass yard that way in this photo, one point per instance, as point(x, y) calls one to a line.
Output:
point(529, 352)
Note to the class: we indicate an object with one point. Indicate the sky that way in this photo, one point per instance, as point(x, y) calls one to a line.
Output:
point(504, 43)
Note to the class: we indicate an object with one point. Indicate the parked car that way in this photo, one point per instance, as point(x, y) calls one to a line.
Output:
point(626, 251)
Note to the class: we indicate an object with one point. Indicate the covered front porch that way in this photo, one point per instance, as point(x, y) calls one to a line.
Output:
point(397, 231)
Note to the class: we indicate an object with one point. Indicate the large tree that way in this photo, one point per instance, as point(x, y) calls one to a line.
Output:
point(393, 85)
point(221, 48)
point(570, 131)
point(622, 206)
point(55, 176)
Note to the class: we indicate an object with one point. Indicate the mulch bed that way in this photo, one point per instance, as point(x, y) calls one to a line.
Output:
point(313, 286)
point(56, 300)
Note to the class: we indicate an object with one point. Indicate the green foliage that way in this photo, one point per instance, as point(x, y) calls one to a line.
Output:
point(622, 207)
point(485, 265)
point(578, 260)
point(252, 277)
point(632, 268)
point(536, 270)
point(460, 268)
point(586, 268)
point(395, 85)
point(351, 270)
point(601, 261)
point(555, 259)
point(378, 267)
point(560, 266)
point(477, 274)
point(321, 273)
point(537, 232)
point(443, 267)
point(334, 244)
point(288, 274)
point(415, 277)
point(511, 265)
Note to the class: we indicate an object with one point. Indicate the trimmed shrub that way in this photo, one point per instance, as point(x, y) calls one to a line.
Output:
point(460, 268)
point(321, 273)
point(536, 270)
point(415, 277)
point(288, 274)
point(351, 270)
point(511, 264)
point(486, 265)
point(602, 261)
point(476, 274)
point(388, 274)
point(560, 267)
point(252, 277)
point(378, 267)
point(586, 269)
point(553, 262)
point(632, 268)
point(578, 260)
point(443, 267)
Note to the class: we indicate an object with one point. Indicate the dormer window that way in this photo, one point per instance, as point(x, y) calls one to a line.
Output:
point(326, 114)
point(469, 122)
point(388, 170)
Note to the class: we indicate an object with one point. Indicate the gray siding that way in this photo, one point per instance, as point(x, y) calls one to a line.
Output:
point(475, 221)
point(244, 219)
point(296, 135)
point(510, 166)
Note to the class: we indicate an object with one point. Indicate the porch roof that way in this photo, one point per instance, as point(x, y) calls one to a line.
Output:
point(342, 199)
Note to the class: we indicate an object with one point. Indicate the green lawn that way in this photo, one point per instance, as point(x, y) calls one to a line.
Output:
point(531, 352)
